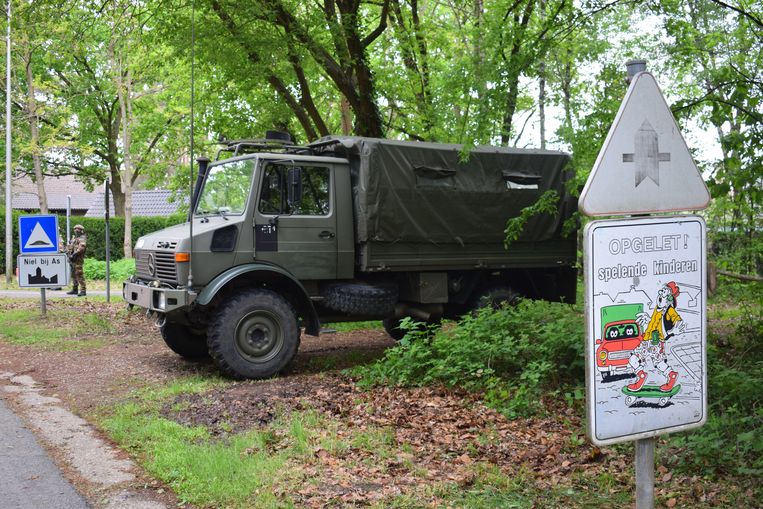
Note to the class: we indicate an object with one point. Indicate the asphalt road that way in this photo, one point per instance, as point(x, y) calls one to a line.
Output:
point(28, 477)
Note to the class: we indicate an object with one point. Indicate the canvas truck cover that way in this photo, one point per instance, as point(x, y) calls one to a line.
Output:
point(417, 192)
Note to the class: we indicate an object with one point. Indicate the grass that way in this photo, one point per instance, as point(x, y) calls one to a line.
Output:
point(353, 326)
point(57, 330)
point(299, 453)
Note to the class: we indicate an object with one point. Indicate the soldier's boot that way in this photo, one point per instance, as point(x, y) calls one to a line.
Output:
point(73, 291)
point(640, 382)
point(82, 293)
point(672, 376)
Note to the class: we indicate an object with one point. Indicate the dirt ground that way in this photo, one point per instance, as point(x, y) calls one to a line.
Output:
point(445, 428)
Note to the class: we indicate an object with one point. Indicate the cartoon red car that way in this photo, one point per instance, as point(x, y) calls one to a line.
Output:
point(620, 335)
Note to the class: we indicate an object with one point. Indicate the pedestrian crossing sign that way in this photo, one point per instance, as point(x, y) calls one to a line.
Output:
point(38, 234)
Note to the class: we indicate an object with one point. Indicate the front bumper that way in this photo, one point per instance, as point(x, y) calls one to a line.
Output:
point(158, 299)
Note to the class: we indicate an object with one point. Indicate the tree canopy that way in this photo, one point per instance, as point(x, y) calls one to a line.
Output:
point(102, 89)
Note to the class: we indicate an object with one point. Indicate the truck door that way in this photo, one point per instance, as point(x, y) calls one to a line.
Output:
point(295, 219)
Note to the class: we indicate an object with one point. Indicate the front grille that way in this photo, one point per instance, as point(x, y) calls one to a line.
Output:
point(622, 354)
point(164, 262)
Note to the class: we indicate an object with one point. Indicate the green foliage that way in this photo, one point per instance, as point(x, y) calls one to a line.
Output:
point(95, 228)
point(119, 270)
point(546, 204)
point(511, 354)
point(731, 442)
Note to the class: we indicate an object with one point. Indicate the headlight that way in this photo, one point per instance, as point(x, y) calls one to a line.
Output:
point(603, 355)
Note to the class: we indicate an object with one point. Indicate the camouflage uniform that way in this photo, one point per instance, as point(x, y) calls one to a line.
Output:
point(75, 250)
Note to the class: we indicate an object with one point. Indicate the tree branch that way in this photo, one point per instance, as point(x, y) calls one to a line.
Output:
point(379, 29)
point(744, 13)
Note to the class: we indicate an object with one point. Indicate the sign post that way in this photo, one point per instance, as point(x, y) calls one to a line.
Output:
point(108, 241)
point(645, 282)
point(40, 265)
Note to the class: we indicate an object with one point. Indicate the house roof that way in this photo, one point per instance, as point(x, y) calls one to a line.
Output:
point(144, 203)
point(24, 193)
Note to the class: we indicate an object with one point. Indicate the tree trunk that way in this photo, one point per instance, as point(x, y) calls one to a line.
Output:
point(346, 117)
point(122, 80)
point(542, 87)
point(34, 129)
point(542, 103)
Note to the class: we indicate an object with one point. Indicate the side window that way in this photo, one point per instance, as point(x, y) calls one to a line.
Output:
point(295, 190)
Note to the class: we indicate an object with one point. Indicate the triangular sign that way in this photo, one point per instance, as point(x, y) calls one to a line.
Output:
point(644, 165)
point(38, 238)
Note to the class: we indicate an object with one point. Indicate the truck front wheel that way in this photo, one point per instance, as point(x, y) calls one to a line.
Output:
point(254, 335)
point(185, 341)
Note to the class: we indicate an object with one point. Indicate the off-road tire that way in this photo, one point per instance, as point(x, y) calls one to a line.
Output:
point(254, 335)
point(494, 297)
point(391, 326)
point(361, 299)
point(185, 341)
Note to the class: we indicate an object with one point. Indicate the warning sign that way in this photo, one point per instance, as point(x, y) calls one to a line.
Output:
point(644, 165)
point(645, 327)
point(38, 234)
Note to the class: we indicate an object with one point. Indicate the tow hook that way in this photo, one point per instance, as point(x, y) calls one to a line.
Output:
point(159, 318)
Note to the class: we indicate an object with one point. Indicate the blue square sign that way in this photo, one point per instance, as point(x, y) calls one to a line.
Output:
point(38, 234)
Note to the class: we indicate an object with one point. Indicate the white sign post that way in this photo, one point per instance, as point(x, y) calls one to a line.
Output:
point(38, 237)
point(645, 292)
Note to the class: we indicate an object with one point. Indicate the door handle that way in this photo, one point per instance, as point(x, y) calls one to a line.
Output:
point(325, 234)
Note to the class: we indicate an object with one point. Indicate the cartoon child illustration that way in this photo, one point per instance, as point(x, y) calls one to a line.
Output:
point(664, 323)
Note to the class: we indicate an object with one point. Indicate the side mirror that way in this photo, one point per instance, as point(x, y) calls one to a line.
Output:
point(294, 186)
point(598, 341)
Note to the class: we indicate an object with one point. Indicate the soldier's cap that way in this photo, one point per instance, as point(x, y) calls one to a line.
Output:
point(79, 227)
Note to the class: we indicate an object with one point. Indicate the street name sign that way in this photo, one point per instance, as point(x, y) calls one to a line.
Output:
point(646, 372)
point(644, 165)
point(43, 270)
point(38, 234)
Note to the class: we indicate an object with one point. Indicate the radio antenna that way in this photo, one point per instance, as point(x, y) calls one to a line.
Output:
point(192, 180)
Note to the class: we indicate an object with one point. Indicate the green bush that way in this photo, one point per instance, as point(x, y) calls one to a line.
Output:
point(95, 227)
point(119, 270)
point(731, 442)
point(511, 354)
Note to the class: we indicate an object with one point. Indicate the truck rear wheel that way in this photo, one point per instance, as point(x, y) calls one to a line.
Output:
point(392, 327)
point(495, 297)
point(185, 341)
point(254, 335)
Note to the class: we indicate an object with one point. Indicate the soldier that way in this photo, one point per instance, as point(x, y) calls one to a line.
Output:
point(75, 251)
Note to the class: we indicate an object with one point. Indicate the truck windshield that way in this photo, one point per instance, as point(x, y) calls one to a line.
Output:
point(226, 188)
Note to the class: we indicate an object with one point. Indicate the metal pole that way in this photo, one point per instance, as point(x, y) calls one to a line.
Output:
point(68, 217)
point(43, 308)
point(191, 183)
point(68, 231)
point(645, 473)
point(108, 250)
point(8, 198)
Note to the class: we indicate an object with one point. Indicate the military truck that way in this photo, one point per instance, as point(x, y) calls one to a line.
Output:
point(282, 238)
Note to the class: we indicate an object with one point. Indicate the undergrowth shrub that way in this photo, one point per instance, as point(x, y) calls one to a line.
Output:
point(731, 442)
point(511, 354)
point(118, 271)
